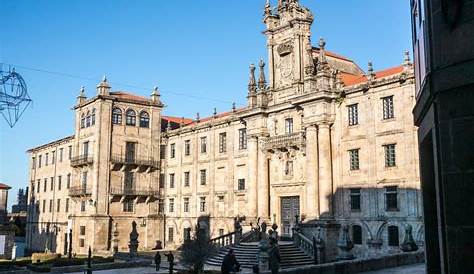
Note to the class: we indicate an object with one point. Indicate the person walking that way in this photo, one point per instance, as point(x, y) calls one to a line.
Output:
point(274, 258)
point(230, 263)
point(157, 261)
point(170, 257)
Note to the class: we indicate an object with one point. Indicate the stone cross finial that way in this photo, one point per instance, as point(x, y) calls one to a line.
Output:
point(198, 118)
point(262, 82)
point(168, 126)
point(322, 61)
point(103, 87)
point(155, 95)
point(268, 8)
point(82, 96)
point(104, 78)
point(214, 114)
point(233, 106)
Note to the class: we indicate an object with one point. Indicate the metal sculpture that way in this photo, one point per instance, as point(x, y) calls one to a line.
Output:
point(14, 98)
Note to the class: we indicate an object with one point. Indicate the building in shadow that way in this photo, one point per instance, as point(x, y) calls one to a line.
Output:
point(443, 41)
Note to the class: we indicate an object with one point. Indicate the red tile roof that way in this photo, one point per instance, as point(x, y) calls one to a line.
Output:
point(4, 186)
point(178, 120)
point(332, 54)
point(128, 96)
point(351, 79)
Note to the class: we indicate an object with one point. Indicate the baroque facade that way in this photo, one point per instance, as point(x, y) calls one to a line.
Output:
point(320, 139)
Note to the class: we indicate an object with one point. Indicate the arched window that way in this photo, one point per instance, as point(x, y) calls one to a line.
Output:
point(393, 237)
point(144, 119)
point(130, 118)
point(93, 117)
point(357, 234)
point(88, 119)
point(83, 120)
point(117, 116)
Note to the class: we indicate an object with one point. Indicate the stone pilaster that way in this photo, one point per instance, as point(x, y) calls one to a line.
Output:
point(253, 176)
point(325, 170)
point(263, 187)
point(312, 191)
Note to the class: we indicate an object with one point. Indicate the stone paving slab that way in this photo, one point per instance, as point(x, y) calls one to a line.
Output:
point(406, 269)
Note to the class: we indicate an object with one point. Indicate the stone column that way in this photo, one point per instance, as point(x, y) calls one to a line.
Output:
point(263, 187)
point(325, 170)
point(253, 176)
point(312, 191)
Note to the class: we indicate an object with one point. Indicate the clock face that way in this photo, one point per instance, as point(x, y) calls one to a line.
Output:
point(286, 68)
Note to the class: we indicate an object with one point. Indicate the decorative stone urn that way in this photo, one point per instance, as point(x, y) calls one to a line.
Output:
point(409, 243)
point(345, 245)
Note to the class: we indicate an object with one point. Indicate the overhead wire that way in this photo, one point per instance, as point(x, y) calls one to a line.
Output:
point(198, 97)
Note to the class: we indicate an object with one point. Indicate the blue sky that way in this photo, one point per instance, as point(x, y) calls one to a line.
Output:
point(196, 51)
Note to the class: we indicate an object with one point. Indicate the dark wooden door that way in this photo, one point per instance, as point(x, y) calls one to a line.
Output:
point(290, 207)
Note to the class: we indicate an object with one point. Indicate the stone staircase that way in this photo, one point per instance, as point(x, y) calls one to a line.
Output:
point(246, 253)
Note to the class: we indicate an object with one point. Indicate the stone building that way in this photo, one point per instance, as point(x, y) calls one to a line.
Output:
point(3, 202)
point(320, 139)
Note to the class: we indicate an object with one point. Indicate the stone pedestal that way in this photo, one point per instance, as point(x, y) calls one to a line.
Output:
point(327, 231)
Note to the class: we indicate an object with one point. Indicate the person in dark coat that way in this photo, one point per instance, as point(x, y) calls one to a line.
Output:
point(157, 261)
point(230, 263)
point(170, 257)
point(274, 258)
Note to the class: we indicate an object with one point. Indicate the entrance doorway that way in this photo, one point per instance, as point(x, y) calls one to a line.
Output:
point(290, 207)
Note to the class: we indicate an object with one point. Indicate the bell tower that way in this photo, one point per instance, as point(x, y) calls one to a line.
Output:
point(288, 31)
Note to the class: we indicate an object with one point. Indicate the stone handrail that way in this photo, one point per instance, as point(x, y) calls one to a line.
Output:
point(250, 236)
point(79, 191)
point(225, 240)
point(284, 141)
point(304, 243)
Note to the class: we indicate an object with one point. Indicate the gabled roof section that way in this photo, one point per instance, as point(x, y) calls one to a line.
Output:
point(4, 186)
point(129, 96)
point(339, 62)
point(351, 79)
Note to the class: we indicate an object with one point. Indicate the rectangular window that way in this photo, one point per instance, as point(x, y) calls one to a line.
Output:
point(187, 147)
point(162, 180)
point(242, 138)
point(170, 234)
point(61, 150)
point(66, 209)
point(353, 114)
point(354, 159)
point(68, 181)
point(46, 159)
point(393, 236)
point(38, 186)
point(52, 184)
point(33, 162)
point(83, 206)
point(289, 125)
point(186, 178)
point(50, 205)
point(129, 181)
point(388, 112)
point(53, 157)
point(59, 181)
point(82, 242)
point(130, 152)
point(355, 199)
point(289, 168)
point(45, 184)
point(39, 161)
point(186, 205)
point(58, 205)
point(85, 148)
point(171, 205)
point(222, 142)
point(391, 198)
point(390, 160)
point(128, 205)
point(241, 184)
point(203, 176)
point(202, 204)
point(221, 231)
point(203, 144)
point(44, 206)
point(69, 154)
point(82, 230)
point(161, 206)
point(84, 180)
point(172, 180)
point(163, 151)
point(172, 150)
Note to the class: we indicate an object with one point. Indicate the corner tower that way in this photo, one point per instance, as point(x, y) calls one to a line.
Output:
point(288, 31)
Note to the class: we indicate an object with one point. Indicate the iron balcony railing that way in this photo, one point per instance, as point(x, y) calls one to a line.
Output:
point(80, 191)
point(127, 160)
point(81, 160)
point(123, 191)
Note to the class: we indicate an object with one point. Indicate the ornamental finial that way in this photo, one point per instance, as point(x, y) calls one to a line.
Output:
point(261, 79)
